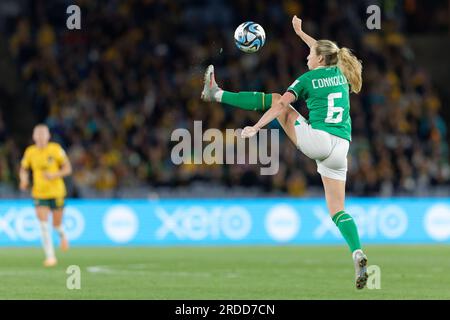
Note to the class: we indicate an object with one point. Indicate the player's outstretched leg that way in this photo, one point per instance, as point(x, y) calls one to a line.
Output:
point(247, 100)
point(256, 101)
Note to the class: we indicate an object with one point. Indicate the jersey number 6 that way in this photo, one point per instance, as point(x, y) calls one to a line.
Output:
point(332, 110)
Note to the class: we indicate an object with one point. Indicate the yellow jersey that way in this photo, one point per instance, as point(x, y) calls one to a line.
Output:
point(48, 159)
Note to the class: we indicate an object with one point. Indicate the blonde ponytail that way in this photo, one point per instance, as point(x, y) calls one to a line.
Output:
point(351, 67)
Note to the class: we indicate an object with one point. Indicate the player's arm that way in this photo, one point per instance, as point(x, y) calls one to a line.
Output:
point(24, 171)
point(297, 24)
point(276, 110)
point(24, 178)
point(66, 170)
point(65, 165)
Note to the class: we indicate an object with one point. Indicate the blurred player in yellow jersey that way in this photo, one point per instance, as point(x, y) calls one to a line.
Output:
point(49, 164)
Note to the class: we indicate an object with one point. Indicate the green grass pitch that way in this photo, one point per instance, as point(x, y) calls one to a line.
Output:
point(268, 272)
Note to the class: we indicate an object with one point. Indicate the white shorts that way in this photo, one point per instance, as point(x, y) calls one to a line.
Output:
point(329, 151)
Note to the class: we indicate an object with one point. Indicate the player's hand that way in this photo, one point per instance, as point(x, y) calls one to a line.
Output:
point(248, 132)
point(23, 185)
point(297, 24)
point(50, 176)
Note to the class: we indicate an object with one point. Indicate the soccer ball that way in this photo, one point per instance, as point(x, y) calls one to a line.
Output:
point(249, 37)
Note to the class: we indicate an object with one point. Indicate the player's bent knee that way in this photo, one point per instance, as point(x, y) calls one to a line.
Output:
point(292, 116)
point(275, 97)
point(283, 117)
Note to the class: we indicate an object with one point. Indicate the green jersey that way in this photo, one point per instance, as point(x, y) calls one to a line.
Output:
point(326, 92)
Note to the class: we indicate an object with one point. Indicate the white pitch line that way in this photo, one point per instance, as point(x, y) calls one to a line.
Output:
point(141, 269)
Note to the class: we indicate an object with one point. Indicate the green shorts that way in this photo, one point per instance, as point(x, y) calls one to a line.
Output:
point(56, 203)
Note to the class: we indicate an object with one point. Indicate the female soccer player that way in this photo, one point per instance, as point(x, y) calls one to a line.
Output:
point(325, 136)
point(49, 165)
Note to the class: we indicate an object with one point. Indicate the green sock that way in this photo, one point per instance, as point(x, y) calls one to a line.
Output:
point(348, 229)
point(248, 100)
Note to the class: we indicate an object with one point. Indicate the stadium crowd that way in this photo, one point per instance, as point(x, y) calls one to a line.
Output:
point(114, 91)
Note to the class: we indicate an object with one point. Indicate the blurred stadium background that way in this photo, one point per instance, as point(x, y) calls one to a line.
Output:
point(113, 92)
